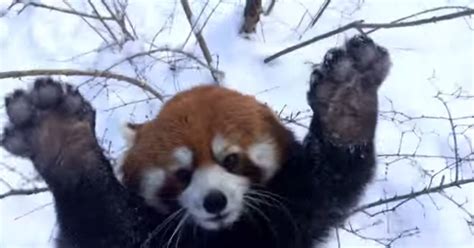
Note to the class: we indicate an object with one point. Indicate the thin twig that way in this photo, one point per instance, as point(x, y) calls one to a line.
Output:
point(270, 8)
point(360, 25)
point(88, 23)
point(433, 19)
point(166, 49)
point(120, 20)
point(54, 8)
point(33, 210)
point(320, 12)
point(103, 22)
point(195, 24)
point(421, 13)
point(72, 72)
point(312, 40)
point(412, 195)
point(200, 39)
point(455, 138)
point(18, 192)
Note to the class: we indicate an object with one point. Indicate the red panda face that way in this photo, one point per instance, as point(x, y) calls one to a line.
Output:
point(203, 152)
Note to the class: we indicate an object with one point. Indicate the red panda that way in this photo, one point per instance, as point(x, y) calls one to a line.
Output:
point(202, 152)
point(215, 168)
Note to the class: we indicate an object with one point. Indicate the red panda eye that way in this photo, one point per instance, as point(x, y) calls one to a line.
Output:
point(231, 161)
point(183, 175)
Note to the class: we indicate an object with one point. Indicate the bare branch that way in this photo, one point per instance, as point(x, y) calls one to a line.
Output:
point(54, 8)
point(103, 22)
point(18, 192)
point(119, 18)
point(360, 25)
point(320, 12)
point(413, 195)
point(434, 19)
point(270, 8)
point(421, 13)
point(200, 39)
point(310, 41)
point(72, 72)
point(88, 23)
point(167, 49)
point(455, 138)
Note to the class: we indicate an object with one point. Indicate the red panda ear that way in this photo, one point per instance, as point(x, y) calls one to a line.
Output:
point(129, 132)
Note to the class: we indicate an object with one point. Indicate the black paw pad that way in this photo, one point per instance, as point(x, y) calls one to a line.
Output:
point(46, 93)
point(15, 141)
point(20, 109)
point(73, 102)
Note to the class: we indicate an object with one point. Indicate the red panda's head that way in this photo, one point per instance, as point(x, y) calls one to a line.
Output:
point(203, 152)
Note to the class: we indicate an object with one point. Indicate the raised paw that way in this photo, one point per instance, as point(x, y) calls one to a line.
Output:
point(49, 108)
point(343, 89)
point(360, 58)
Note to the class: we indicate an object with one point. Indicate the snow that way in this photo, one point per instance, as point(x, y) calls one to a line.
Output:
point(427, 59)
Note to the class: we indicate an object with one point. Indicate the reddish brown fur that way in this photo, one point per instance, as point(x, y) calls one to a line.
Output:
point(192, 119)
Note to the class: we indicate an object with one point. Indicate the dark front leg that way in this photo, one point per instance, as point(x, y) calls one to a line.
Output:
point(52, 125)
point(343, 96)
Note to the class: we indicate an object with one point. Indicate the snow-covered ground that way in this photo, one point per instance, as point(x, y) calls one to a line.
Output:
point(426, 59)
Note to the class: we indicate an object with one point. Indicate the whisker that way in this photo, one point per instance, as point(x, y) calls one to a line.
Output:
point(264, 197)
point(160, 227)
point(185, 218)
point(262, 214)
point(176, 230)
point(269, 195)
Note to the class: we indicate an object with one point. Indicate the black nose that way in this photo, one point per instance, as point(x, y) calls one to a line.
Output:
point(215, 202)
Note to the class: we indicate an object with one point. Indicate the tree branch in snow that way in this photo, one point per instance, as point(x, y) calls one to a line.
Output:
point(312, 40)
point(360, 26)
point(19, 192)
point(72, 72)
point(270, 7)
point(252, 11)
point(386, 242)
point(200, 39)
point(89, 24)
point(320, 12)
point(28, 3)
point(191, 56)
point(422, 13)
point(412, 195)
point(453, 133)
point(111, 33)
point(119, 15)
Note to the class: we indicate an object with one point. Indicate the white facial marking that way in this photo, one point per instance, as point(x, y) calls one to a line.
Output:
point(206, 180)
point(152, 181)
point(219, 144)
point(265, 156)
point(129, 134)
point(183, 157)
point(118, 168)
point(222, 147)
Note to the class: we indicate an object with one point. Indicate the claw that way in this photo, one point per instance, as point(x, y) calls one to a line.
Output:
point(73, 101)
point(332, 57)
point(359, 41)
